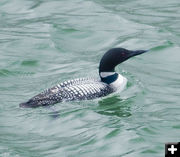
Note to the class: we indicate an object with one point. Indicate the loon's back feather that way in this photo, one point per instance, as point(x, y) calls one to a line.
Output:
point(77, 89)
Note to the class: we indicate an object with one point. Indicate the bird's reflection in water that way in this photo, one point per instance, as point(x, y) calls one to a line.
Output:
point(111, 106)
point(115, 106)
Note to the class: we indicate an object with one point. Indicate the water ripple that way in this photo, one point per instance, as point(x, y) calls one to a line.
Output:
point(46, 42)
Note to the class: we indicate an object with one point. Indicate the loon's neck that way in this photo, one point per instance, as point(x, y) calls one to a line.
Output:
point(115, 80)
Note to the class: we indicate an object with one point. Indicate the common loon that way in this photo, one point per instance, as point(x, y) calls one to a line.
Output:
point(88, 88)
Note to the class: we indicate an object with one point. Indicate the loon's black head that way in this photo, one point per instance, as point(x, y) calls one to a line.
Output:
point(116, 56)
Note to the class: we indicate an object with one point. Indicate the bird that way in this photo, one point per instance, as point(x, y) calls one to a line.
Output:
point(88, 88)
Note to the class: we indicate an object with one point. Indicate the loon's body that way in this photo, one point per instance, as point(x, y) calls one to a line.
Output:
point(88, 88)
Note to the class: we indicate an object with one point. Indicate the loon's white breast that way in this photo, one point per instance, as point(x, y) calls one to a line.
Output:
point(118, 84)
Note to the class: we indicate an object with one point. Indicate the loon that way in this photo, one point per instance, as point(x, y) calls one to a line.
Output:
point(88, 88)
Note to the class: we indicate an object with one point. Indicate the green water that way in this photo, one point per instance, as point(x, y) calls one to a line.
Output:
point(44, 42)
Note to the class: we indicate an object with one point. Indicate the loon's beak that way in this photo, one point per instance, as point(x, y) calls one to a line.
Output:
point(137, 52)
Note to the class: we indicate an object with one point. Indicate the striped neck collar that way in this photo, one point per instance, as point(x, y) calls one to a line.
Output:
point(108, 77)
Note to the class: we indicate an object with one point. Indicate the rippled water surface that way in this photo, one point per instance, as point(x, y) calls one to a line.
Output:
point(44, 42)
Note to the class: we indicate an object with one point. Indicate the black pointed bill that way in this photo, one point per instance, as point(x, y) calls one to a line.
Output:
point(137, 52)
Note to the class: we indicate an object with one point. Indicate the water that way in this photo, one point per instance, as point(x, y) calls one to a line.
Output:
point(46, 42)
